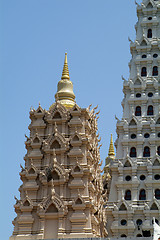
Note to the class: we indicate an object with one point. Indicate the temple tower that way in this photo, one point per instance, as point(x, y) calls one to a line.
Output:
point(61, 191)
point(134, 194)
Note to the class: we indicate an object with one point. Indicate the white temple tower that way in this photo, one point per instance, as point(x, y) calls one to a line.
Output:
point(134, 197)
point(61, 191)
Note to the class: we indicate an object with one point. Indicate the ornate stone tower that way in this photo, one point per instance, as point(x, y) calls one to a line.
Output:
point(134, 197)
point(61, 191)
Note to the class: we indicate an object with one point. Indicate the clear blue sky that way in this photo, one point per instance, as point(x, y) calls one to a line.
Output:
point(35, 34)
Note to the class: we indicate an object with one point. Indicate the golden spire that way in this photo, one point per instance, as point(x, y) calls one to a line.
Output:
point(111, 148)
point(65, 73)
point(65, 94)
point(111, 154)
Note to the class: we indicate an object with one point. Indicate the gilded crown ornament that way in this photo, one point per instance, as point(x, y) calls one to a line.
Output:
point(65, 94)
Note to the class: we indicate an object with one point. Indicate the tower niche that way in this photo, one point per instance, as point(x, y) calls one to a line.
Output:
point(61, 191)
point(134, 172)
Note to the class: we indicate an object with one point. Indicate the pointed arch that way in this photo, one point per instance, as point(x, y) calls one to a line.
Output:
point(52, 208)
point(158, 121)
point(156, 163)
point(154, 206)
point(36, 140)
point(55, 144)
point(58, 112)
point(132, 122)
point(56, 141)
point(56, 172)
point(123, 207)
point(149, 5)
point(26, 203)
point(78, 201)
point(137, 82)
point(127, 164)
point(57, 115)
point(31, 171)
point(54, 201)
point(75, 138)
point(39, 109)
point(77, 169)
point(143, 42)
point(76, 108)
point(55, 175)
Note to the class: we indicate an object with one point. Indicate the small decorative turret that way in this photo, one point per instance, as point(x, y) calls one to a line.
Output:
point(111, 156)
point(65, 94)
point(111, 153)
point(106, 175)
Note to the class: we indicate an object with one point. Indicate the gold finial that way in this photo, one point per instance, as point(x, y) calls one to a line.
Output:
point(65, 73)
point(65, 94)
point(111, 148)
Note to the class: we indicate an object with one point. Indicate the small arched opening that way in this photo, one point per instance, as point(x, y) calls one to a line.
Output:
point(146, 152)
point(155, 71)
point(142, 194)
point(133, 152)
point(158, 150)
point(138, 111)
point(149, 33)
point(127, 196)
point(150, 110)
point(157, 194)
point(143, 72)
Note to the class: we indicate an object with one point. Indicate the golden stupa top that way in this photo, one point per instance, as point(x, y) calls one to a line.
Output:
point(65, 72)
point(65, 94)
point(111, 148)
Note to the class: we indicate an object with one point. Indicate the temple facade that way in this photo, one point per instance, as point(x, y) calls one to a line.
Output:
point(61, 191)
point(134, 174)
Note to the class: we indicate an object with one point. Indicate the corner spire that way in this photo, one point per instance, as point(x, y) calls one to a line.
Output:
point(65, 73)
point(65, 94)
point(111, 148)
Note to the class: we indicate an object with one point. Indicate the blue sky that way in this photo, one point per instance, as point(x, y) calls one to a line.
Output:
point(35, 34)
